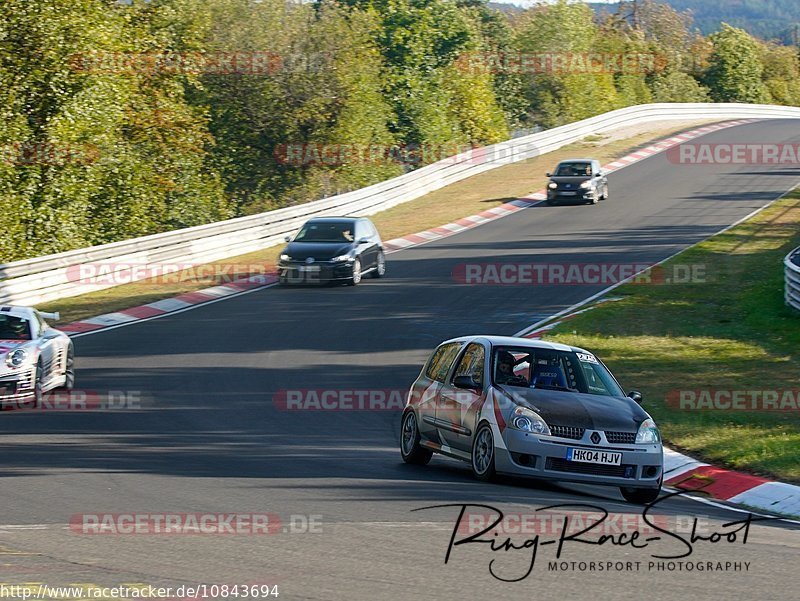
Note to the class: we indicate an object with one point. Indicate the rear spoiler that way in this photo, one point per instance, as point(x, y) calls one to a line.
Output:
point(54, 316)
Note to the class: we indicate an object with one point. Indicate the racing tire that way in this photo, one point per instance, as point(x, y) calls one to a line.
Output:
point(69, 371)
point(37, 387)
point(357, 275)
point(410, 449)
point(483, 450)
point(380, 266)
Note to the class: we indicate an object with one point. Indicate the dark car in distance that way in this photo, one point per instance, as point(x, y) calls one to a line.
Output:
point(581, 180)
point(332, 249)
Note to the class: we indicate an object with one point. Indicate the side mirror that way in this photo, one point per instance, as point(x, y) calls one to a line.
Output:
point(466, 383)
point(288, 238)
point(636, 396)
point(548, 174)
point(364, 241)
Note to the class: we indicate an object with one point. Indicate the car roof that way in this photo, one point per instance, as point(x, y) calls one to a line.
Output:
point(19, 312)
point(518, 341)
point(332, 219)
point(577, 161)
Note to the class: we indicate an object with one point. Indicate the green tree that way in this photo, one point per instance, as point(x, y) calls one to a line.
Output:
point(736, 69)
point(138, 149)
point(560, 88)
point(781, 74)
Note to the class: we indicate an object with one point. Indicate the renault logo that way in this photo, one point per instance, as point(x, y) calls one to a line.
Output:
point(595, 438)
point(309, 260)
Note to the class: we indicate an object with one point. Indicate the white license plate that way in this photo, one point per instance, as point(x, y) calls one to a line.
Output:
point(309, 268)
point(592, 456)
point(568, 193)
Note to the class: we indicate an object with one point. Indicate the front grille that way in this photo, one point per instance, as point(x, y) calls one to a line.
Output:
point(8, 387)
point(621, 437)
point(25, 381)
point(567, 432)
point(58, 361)
point(615, 471)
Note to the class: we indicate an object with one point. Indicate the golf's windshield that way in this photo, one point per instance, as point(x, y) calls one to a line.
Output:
point(553, 370)
point(326, 231)
point(574, 170)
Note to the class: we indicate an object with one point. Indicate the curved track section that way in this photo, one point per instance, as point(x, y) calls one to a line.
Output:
point(212, 435)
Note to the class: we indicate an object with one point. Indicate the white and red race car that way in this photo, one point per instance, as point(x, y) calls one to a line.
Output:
point(34, 358)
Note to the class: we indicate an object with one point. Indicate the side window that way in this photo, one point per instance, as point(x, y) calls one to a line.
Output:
point(471, 363)
point(440, 362)
point(39, 326)
point(360, 231)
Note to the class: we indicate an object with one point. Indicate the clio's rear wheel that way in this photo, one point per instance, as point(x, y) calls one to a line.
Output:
point(410, 449)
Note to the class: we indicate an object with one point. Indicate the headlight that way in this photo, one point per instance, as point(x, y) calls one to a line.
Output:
point(16, 358)
point(341, 258)
point(552, 185)
point(285, 257)
point(586, 185)
point(648, 433)
point(528, 421)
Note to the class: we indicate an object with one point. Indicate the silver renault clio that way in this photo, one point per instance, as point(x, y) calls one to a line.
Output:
point(532, 408)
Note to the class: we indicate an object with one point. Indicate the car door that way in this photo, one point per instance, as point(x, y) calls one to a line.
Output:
point(426, 389)
point(366, 244)
point(458, 407)
point(599, 176)
point(46, 341)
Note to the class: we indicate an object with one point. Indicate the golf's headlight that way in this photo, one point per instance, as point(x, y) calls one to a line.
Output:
point(342, 258)
point(552, 185)
point(16, 358)
point(586, 185)
point(648, 433)
point(528, 421)
point(285, 257)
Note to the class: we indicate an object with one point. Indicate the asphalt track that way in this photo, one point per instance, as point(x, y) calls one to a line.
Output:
point(210, 438)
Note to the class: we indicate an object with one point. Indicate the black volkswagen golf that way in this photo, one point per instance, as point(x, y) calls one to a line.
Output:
point(332, 249)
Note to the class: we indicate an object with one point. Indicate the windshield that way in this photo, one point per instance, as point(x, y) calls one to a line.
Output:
point(326, 231)
point(14, 328)
point(574, 169)
point(553, 370)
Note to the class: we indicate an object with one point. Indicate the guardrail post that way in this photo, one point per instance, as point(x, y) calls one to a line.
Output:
point(792, 264)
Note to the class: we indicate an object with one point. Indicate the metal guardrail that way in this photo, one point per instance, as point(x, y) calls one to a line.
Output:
point(46, 278)
point(792, 276)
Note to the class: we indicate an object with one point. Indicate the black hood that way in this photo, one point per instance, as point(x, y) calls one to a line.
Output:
point(590, 411)
point(321, 251)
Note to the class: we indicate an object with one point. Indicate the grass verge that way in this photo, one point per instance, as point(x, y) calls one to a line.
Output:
point(730, 332)
point(453, 202)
